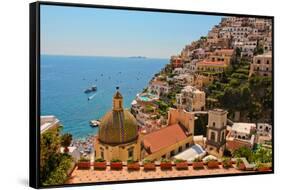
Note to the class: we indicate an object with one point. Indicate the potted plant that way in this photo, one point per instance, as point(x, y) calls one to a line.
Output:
point(227, 163)
point(116, 164)
point(262, 167)
point(197, 164)
point(165, 164)
point(148, 165)
point(181, 164)
point(212, 164)
point(84, 163)
point(133, 165)
point(240, 164)
point(66, 141)
point(100, 164)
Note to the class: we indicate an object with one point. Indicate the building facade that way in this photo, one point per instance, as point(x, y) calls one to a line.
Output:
point(191, 99)
point(262, 65)
point(216, 132)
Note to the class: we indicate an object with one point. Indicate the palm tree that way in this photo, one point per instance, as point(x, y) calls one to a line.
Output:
point(66, 141)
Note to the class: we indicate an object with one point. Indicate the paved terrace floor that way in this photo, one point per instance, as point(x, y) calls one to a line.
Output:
point(91, 176)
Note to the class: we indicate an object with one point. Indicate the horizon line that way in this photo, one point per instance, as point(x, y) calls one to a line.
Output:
point(129, 56)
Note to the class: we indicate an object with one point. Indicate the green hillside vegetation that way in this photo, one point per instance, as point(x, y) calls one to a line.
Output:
point(235, 91)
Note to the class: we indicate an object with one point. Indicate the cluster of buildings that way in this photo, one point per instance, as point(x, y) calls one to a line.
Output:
point(197, 66)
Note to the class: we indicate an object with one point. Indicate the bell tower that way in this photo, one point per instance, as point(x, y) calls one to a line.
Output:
point(216, 132)
point(117, 101)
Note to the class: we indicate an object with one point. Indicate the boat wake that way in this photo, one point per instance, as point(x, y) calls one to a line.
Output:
point(91, 97)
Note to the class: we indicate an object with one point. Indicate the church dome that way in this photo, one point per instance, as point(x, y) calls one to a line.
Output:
point(118, 126)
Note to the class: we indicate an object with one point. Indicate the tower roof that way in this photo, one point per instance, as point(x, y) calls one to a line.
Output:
point(117, 94)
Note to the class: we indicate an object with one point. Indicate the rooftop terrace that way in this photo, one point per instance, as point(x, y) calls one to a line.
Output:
point(91, 176)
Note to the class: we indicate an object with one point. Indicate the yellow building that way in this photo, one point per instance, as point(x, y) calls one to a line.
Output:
point(118, 136)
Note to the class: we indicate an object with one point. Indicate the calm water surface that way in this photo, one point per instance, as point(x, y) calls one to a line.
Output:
point(64, 79)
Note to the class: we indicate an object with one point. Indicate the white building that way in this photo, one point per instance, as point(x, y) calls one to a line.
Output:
point(184, 79)
point(159, 88)
point(243, 130)
point(264, 129)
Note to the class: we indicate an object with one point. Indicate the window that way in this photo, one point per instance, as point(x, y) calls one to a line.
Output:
point(186, 145)
point(131, 153)
point(258, 61)
point(172, 153)
point(180, 149)
point(163, 156)
point(222, 136)
point(267, 62)
point(214, 124)
point(213, 136)
point(102, 154)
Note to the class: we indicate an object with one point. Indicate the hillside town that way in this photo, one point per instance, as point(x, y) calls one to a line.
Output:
point(186, 84)
point(209, 111)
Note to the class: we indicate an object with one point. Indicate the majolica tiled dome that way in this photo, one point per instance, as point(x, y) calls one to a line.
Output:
point(118, 126)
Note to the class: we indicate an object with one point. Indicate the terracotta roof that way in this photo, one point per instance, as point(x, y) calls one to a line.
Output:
point(211, 62)
point(235, 144)
point(164, 137)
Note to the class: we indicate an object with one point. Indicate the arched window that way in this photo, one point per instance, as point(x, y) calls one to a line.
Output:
point(213, 136)
point(214, 124)
point(267, 62)
point(131, 153)
point(222, 136)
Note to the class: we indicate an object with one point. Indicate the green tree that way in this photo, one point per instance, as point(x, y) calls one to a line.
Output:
point(66, 140)
point(244, 152)
point(263, 155)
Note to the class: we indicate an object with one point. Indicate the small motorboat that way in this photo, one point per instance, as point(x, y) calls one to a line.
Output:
point(94, 123)
point(91, 89)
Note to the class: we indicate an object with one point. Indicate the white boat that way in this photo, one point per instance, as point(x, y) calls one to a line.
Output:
point(94, 123)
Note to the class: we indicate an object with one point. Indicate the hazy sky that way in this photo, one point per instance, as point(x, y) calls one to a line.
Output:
point(105, 32)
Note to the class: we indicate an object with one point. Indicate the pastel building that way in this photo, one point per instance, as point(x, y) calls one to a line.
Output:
point(262, 65)
point(201, 81)
point(215, 66)
point(176, 61)
point(191, 99)
point(222, 55)
point(158, 87)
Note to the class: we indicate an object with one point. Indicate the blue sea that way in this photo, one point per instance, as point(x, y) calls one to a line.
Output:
point(64, 79)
